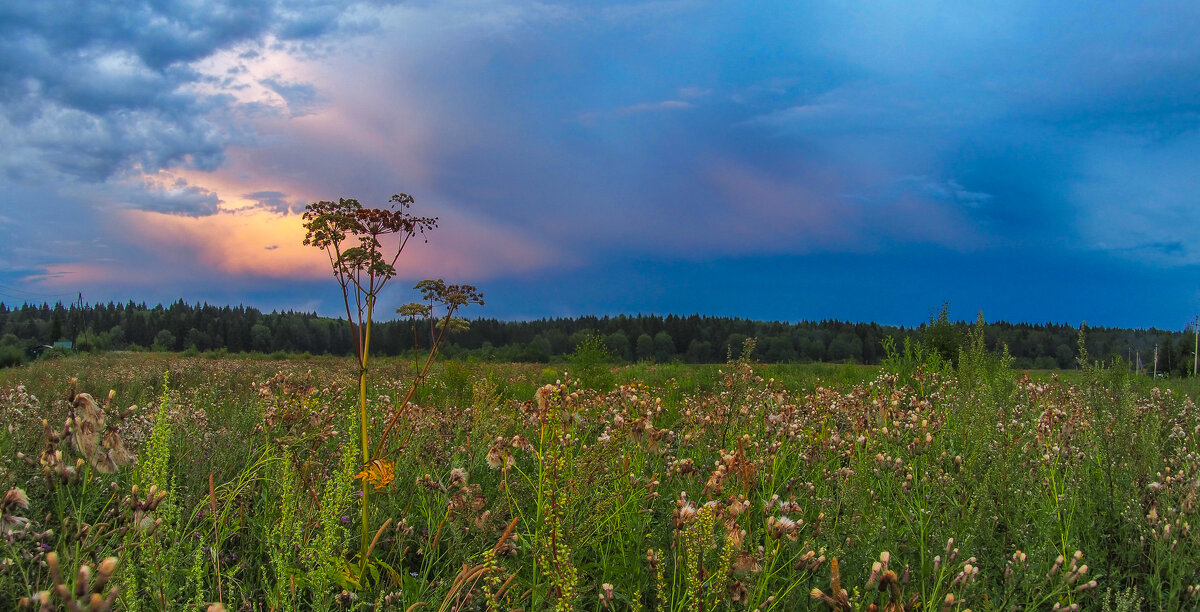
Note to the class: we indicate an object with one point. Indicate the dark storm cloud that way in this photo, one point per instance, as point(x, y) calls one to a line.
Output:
point(91, 90)
point(178, 198)
point(275, 201)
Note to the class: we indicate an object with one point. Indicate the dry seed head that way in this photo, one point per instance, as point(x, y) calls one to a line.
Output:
point(1054, 568)
point(82, 580)
point(737, 592)
point(15, 498)
point(734, 538)
point(778, 527)
point(746, 563)
point(948, 603)
point(651, 558)
point(606, 594)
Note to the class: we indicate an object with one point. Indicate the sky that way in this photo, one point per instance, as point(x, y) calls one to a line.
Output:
point(1035, 161)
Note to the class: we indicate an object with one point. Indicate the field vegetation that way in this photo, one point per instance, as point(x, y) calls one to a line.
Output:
point(167, 482)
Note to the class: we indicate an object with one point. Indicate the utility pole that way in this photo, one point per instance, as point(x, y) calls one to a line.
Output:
point(1196, 350)
point(1156, 360)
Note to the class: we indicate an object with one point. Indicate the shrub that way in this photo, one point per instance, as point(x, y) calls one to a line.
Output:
point(11, 356)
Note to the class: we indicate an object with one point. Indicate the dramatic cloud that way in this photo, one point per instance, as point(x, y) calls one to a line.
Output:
point(94, 90)
point(565, 142)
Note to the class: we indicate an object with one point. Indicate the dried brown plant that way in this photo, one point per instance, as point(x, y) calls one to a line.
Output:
point(87, 594)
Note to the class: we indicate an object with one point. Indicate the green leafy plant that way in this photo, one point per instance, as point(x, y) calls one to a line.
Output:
point(590, 360)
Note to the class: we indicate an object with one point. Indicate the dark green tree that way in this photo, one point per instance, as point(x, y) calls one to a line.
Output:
point(164, 340)
point(645, 347)
point(941, 335)
point(664, 347)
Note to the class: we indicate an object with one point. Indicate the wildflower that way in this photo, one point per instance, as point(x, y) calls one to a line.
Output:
point(684, 512)
point(522, 443)
point(345, 598)
point(778, 527)
point(379, 472)
point(403, 528)
point(543, 396)
point(606, 594)
point(498, 456)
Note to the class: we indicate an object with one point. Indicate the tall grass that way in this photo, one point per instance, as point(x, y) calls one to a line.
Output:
point(670, 488)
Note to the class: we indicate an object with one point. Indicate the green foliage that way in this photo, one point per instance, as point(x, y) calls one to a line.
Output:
point(914, 363)
point(327, 552)
point(941, 335)
point(164, 340)
point(744, 480)
point(152, 565)
point(978, 365)
point(154, 467)
point(644, 348)
point(1127, 600)
point(590, 361)
point(11, 356)
point(287, 536)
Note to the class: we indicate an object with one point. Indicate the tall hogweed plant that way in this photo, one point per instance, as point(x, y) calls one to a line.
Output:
point(353, 237)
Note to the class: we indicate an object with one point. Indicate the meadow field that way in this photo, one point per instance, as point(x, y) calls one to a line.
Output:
point(166, 482)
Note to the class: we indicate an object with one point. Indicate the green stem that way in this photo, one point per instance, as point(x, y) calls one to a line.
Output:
point(364, 534)
point(412, 390)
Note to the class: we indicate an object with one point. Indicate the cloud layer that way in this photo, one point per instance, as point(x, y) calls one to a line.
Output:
point(182, 139)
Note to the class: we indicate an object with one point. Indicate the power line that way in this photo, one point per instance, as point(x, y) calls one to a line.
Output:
point(23, 294)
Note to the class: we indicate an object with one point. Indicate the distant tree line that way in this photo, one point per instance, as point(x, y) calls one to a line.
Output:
point(693, 339)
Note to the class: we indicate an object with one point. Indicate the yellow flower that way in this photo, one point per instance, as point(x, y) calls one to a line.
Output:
point(379, 472)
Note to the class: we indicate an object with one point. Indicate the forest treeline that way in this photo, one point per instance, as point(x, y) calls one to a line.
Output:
point(26, 329)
